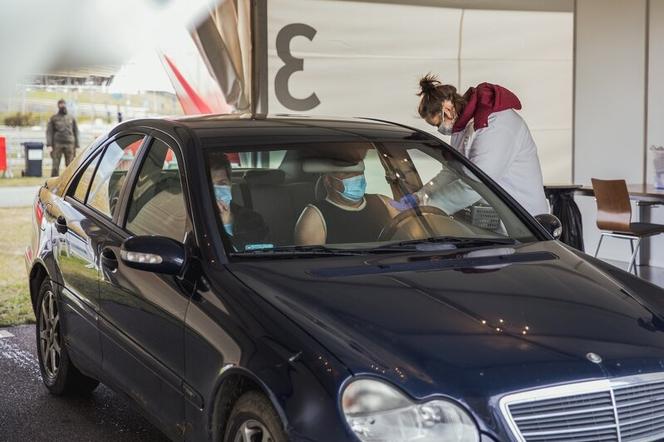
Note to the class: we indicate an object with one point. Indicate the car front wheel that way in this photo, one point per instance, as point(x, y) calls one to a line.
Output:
point(58, 373)
point(253, 419)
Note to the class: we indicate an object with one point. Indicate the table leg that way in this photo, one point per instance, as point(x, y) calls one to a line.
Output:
point(644, 217)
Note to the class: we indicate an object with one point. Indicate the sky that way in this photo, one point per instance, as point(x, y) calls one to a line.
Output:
point(72, 33)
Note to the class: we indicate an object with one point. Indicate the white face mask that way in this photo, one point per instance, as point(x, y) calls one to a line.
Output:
point(446, 126)
point(446, 129)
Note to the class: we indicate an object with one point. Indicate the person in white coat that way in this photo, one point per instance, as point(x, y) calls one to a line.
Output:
point(485, 128)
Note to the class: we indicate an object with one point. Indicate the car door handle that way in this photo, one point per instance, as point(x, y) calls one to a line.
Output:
point(108, 259)
point(61, 224)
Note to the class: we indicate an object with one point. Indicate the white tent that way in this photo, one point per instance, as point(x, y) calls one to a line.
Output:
point(364, 58)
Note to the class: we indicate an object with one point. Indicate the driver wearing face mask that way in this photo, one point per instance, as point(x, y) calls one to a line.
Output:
point(344, 213)
point(242, 226)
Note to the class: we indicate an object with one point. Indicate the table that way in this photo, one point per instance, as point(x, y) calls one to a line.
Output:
point(647, 193)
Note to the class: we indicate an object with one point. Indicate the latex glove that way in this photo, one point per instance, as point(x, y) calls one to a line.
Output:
point(407, 202)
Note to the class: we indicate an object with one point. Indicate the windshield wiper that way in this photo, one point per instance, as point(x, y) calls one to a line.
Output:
point(295, 251)
point(457, 242)
point(319, 250)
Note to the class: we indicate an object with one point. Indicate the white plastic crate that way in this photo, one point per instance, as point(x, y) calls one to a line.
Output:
point(658, 165)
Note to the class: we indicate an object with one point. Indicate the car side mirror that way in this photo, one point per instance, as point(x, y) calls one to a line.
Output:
point(551, 223)
point(156, 254)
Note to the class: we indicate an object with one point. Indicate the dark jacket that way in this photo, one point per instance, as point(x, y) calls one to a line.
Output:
point(248, 227)
point(62, 130)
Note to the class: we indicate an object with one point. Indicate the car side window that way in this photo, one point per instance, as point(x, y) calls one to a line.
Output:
point(84, 179)
point(112, 171)
point(375, 175)
point(156, 204)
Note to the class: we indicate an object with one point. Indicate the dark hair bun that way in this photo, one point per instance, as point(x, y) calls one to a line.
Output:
point(428, 84)
point(433, 94)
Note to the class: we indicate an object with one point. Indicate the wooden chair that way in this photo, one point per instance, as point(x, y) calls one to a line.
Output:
point(614, 217)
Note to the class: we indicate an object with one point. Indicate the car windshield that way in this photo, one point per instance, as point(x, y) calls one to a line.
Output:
point(346, 198)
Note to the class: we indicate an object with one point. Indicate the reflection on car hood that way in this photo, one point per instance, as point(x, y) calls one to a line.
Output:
point(468, 332)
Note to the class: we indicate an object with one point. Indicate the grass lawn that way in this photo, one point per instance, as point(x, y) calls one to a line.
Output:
point(15, 307)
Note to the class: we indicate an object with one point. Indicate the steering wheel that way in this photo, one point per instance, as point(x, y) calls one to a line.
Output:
point(399, 222)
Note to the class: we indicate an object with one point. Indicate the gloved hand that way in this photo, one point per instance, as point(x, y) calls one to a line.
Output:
point(407, 202)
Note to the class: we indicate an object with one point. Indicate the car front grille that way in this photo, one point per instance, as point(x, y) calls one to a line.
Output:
point(640, 410)
point(627, 409)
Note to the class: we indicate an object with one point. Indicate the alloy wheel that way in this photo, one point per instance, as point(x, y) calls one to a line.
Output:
point(252, 431)
point(49, 335)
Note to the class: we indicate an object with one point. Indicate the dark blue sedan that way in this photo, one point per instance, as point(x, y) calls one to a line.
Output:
point(273, 279)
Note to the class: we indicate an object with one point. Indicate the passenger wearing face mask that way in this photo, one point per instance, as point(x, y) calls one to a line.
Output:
point(344, 213)
point(485, 128)
point(243, 226)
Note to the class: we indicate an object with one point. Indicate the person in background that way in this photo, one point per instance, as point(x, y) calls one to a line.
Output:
point(61, 137)
point(486, 128)
point(242, 225)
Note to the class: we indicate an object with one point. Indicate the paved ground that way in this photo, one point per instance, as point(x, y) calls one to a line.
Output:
point(29, 413)
point(17, 196)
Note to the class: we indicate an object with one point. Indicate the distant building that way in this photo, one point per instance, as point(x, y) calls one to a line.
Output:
point(90, 76)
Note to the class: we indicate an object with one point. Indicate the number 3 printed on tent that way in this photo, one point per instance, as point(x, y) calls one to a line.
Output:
point(291, 65)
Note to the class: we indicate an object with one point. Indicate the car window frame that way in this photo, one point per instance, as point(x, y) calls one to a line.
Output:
point(99, 154)
point(133, 165)
point(110, 141)
point(80, 163)
point(131, 181)
point(71, 190)
point(70, 187)
point(91, 212)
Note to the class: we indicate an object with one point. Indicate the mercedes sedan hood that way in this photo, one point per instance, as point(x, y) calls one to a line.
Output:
point(450, 323)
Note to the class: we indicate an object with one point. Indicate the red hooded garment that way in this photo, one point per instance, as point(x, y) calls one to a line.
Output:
point(482, 101)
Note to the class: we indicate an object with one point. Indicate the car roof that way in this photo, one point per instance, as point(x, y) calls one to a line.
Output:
point(243, 129)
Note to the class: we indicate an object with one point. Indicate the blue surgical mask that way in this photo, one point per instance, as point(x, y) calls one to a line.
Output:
point(354, 188)
point(223, 193)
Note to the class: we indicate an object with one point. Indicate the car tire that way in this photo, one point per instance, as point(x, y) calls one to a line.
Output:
point(59, 374)
point(254, 419)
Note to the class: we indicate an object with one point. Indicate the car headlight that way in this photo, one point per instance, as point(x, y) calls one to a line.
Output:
point(376, 411)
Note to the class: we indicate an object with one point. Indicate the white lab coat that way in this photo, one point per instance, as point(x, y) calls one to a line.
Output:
point(505, 151)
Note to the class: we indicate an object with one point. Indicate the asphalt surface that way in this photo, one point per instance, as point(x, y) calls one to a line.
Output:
point(20, 196)
point(29, 413)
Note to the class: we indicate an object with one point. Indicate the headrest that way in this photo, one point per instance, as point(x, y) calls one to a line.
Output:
point(324, 165)
point(264, 176)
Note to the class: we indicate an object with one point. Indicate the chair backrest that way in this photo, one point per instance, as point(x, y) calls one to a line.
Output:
point(614, 211)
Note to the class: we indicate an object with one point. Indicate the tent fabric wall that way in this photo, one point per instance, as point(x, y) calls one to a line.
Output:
point(505, 5)
point(655, 97)
point(364, 59)
point(610, 85)
point(619, 105)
